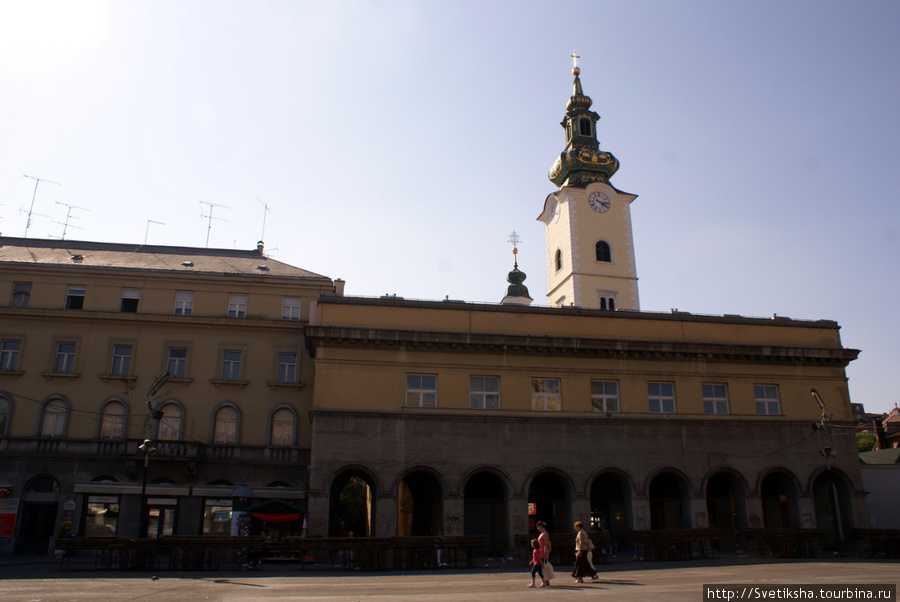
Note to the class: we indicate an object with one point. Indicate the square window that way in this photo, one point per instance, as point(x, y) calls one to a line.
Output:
point(75, 297)
point(177, 362)
point(237, 306)
point(130, 299)
point(715, 399)
point(661, 397)
point(231, 364)
point(421, 390)
point(121, 360)
point(290, 308)
point(65, 358)
point(287, 367)
point(605, 395)
point(217, 517)
point(184, 303)
point(21, 294)
point(545, 394)
point(101, 516)
point(484, 392)
point(9, 354)
point(767, 400)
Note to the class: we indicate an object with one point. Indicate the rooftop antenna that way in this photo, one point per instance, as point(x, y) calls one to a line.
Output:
point(68, 216)
point(147, 229)
point(266, 210)
point(211, 218)
point(33, 196)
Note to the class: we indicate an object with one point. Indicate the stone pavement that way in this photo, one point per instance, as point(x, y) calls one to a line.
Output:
point(40, 579)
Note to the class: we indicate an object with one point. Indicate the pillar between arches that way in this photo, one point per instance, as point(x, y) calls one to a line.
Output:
point(385, 519)
point(699, 515)
point(640, 505)
point(581, 510)
point(755, 512)
point(454, 515)
point(317, 514)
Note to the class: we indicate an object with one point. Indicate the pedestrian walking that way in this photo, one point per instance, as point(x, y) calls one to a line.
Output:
point(583, 545)
point(537, 563)
point(544, 541)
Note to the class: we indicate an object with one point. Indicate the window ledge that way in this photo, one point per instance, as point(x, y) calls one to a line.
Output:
point(280, 385)
point(129, 378)
point(69, 375)
point(229, 383)
point(12, 373)
point(181, 380)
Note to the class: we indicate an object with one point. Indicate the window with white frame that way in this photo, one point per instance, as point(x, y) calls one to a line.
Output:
point(21, 294)
point(290, 308)
point(184, 303)
point(421, 390)
point(65, 358)
point(287, 367)
point(715, 399)
point(75, 296)
point(767, 400)
point(283, 428)
point(605, 395)
point(9, 354)
point(231, 364)
point(177, 362)
point(121, 360)
point(226, 426)
point(112, 421)
point(130, 299)
point(545, 394)
point(484, 392)
point(53, 422)
point(661, 397)
point(170, 423)
point(237, 306)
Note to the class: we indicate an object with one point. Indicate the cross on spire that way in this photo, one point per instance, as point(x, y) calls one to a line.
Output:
point(575, 58)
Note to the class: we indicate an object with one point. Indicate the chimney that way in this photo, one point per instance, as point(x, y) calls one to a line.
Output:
point(259, 247)
point(339, 287)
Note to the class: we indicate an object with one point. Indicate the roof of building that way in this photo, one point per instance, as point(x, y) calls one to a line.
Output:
point(153, 258)
point(881, 456)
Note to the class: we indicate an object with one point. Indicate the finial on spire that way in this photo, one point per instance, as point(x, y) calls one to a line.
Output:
point(575, 70)
point(514, 240)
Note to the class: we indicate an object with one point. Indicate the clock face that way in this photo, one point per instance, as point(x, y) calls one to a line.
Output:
point(599, 202)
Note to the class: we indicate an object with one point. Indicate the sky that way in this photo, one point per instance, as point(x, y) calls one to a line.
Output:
point(396, 145)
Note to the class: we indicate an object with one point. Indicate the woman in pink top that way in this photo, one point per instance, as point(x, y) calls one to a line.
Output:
point(544, 541)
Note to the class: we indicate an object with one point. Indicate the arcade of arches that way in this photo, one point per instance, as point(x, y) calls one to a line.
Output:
point(491, 504)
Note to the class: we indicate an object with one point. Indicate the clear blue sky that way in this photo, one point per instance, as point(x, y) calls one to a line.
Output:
point(398, 144)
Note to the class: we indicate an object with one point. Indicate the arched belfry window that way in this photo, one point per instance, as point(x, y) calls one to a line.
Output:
point(558, 259)
point(603, 251)
point(584, 124)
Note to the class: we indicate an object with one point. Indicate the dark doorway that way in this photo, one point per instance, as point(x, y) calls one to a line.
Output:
point(38, 521)
point(833, 512)
point(611, 508)
point(779, 499)
point(419, 505)
point(726, 506)
point(352, 506)
point(485, 510)
point(548, 502)
point(669, 505)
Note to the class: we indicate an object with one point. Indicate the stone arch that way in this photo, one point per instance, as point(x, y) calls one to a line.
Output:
point(421, 491)
point(669, 492)
point(611, 492)
point(486, 492)
point(726, 505)
point(353, 491)
point(779, 492)
point(832, 491)
point(549, 492)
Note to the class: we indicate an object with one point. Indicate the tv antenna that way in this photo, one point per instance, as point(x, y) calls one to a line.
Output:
point(211, 218)
point(33, 196)
point(266, 210)
point(147, 229)
point(65, 224)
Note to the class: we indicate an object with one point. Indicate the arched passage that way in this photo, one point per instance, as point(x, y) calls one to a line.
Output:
point(548, 502)
point(485, 508)
point(40, 503)
point(831, 496)
point(352, 505)
point(669, 502)
point(611, 507)
point(778, 492)
point(420, 505)
point(726, 506)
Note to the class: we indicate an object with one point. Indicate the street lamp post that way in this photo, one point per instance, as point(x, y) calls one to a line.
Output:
point(147, 447)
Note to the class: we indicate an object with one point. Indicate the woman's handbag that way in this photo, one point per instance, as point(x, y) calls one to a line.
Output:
point(548, 571)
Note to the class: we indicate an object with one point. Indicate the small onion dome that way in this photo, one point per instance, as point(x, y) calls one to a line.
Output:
point(516, 293)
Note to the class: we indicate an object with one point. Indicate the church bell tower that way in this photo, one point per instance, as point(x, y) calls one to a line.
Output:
point(590, 250)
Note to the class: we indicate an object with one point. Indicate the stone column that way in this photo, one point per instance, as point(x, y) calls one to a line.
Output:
point(699, 514)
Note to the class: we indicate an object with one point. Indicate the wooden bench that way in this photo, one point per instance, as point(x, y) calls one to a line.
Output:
point(675, 544)
point(786, 543)
point(878, 543)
